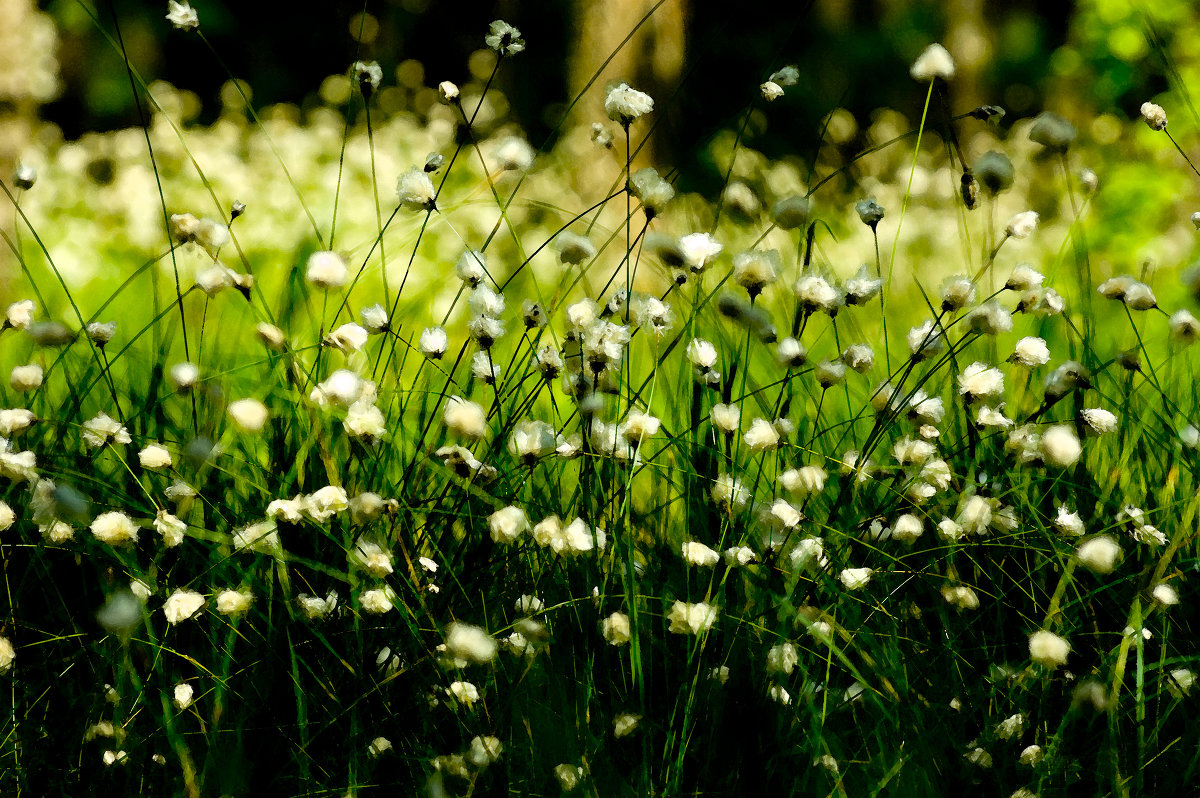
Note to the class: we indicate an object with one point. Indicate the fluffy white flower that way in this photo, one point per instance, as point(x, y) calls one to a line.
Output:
point(1154, 116)
point(696, 553)
point(1099, 554)
point(154, 456)
point(182, 695)
point(326, 270)
point(464, 417)
point(508, 524)
point(1022, 225)
point(739, 556)
point(624, 104)
point(234, 602)
point(19, 315)
point(171, 528)
point(978, 380)
point(1165, 594)
point(782, 658)
point(326, 502)
point(809, 555)
point(372, 558)
point(1047, 648)
point(349, 337)
point(783, 512)
point(416, 190)
point(1099, 420)
point(1030, 352)
point(182, 15)
point(856, 578)
point(469, 642)
point(15, 419)
point(101, 430)
point(726, 418)
point(934, 61)
point(7, 655)
point(249, 415)
point(114, 528)
point(1060, 446)
point(729, 493)
point(699, 250)
point(433, 342)
point(378, 600)
point(1068, 522)
point(616, 629)
point(761, 436)
point(692, 618)
point(625, 724)
point(183, 375)
point(804, 481)
point(181, 605)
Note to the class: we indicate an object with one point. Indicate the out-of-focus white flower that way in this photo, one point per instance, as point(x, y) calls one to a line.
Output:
point(934, 61)
point(26, 378)
point(326, 270)
point(464, 417)
point(1047, 648)
point(1165, 594)
point(1099, 554)
point(472, 643)
point(625, 724)
point(8, 655)
point(249, 415)
point(1060, 446)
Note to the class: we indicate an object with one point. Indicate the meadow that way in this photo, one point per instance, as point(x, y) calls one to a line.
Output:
point(367, 448)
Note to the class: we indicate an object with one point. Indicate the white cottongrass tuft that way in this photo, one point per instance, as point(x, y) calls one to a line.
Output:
point(181, 605)
point(471, 643)
point(934, 61)
point(1048, 649)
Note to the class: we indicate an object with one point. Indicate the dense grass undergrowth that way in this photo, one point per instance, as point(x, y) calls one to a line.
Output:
point(871, 475)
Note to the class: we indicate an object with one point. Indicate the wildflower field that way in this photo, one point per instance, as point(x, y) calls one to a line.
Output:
point(370, 448)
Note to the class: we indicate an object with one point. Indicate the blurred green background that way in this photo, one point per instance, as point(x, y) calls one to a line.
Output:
point(702, 59)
